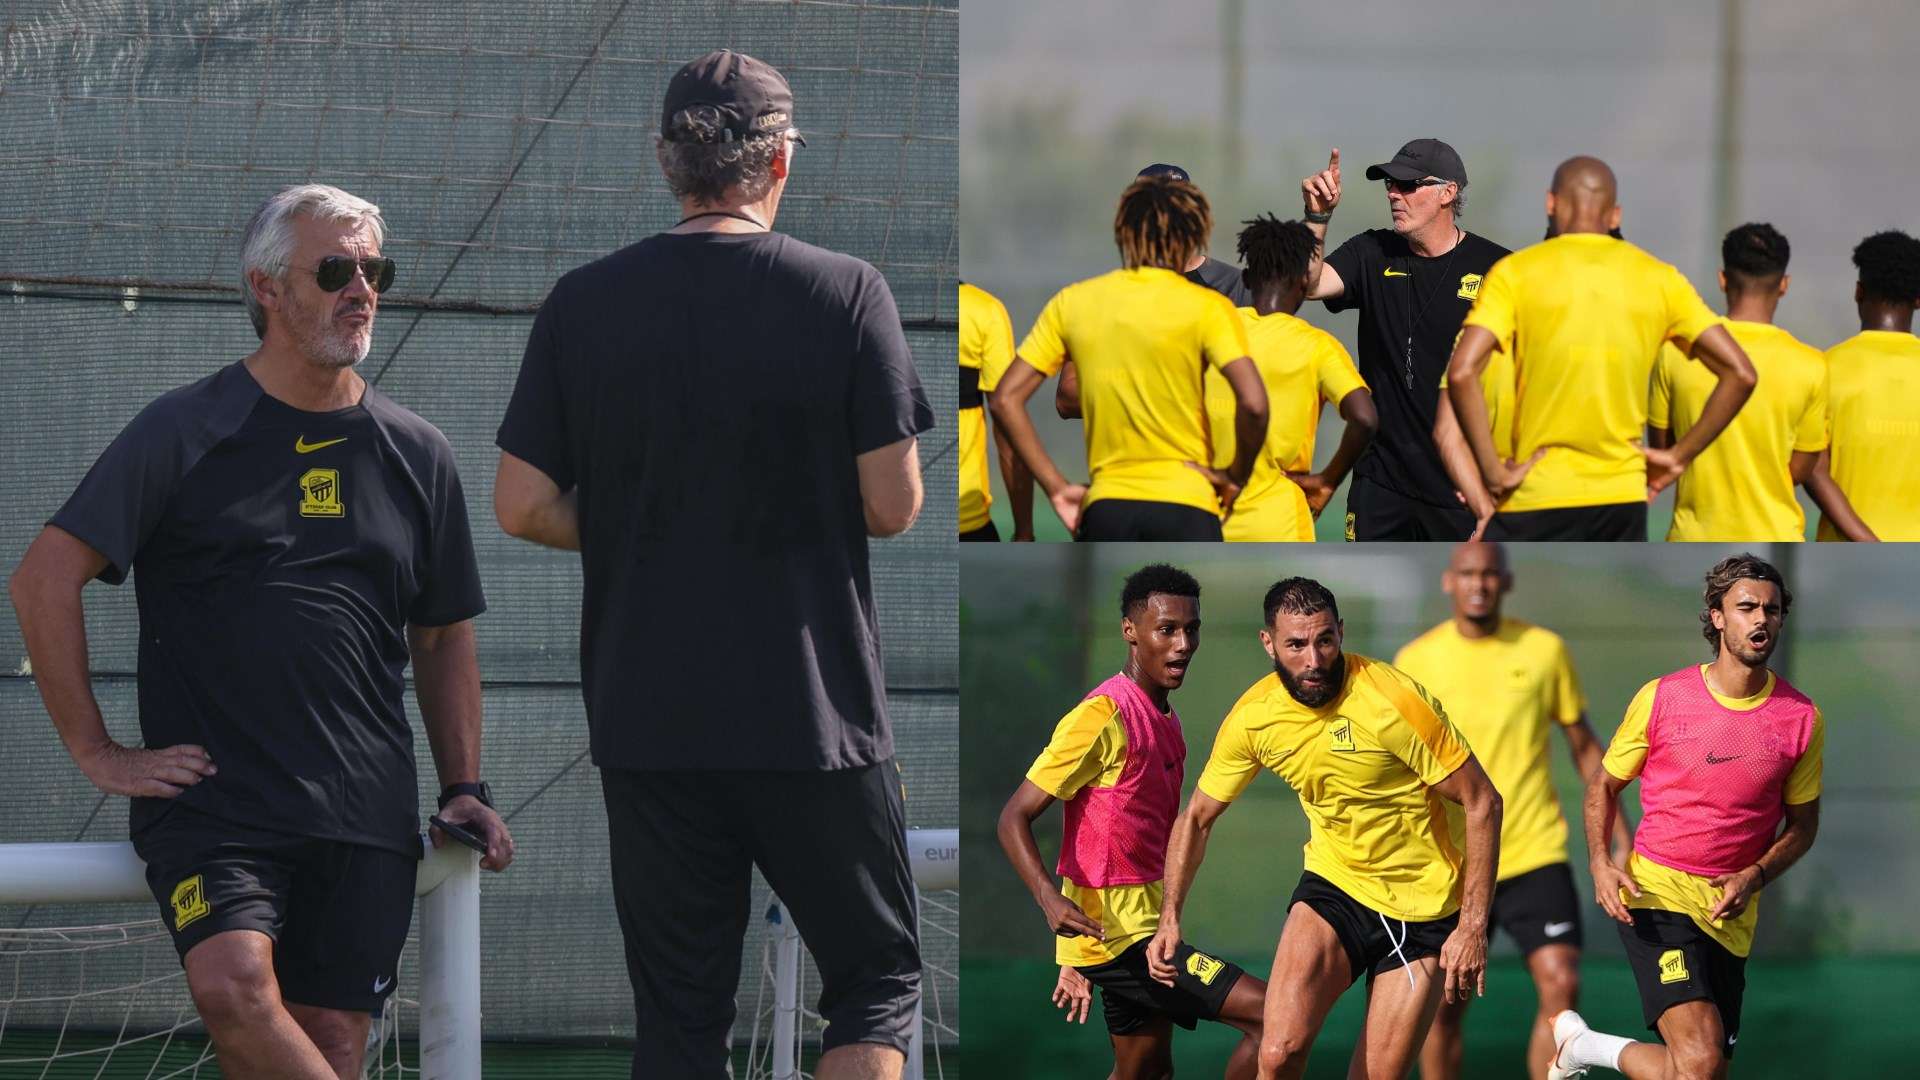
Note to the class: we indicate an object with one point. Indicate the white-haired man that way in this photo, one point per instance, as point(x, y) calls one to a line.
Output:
point(295, 538)
point(716, 418)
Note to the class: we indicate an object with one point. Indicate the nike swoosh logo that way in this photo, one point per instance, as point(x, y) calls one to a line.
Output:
point(302, 446)
point(1555, 929)
point(1395, 273)
point(1711, 760)
point(380, 984)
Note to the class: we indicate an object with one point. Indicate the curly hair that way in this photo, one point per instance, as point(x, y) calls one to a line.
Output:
point(1161, 222)
point(1275, 250)
point(702, 159)
point(1725, 573)
point(1155, 578)
point(1299, 596)
point(1889, 265)
point(1754, 254)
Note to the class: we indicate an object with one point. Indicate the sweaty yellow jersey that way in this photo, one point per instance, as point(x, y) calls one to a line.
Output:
point(1302, 366)
point(1505, 692)
point(1141, 340)
point(1740, 487)
point(1668, 889)
point(986, 351)
point(1583, 316)
point(1364, 766)
point(1874, 405)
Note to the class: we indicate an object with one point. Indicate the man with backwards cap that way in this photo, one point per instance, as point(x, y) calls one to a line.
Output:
point(717, 418)
point(1413, 284)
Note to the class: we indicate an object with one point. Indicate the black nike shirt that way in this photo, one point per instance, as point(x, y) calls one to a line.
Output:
point(1402, 295)
point(277, 557)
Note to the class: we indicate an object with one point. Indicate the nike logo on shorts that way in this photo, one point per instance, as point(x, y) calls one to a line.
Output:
point(380, 984)
point(1555, 929)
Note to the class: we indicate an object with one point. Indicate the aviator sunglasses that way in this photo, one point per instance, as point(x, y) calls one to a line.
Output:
point(335, 271)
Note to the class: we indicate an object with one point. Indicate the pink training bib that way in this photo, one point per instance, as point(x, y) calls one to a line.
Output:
point(1713, 786)
point(1118, 835)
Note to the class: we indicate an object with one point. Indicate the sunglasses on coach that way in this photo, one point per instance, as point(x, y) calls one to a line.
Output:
point(1408, 187)
point(335, 271)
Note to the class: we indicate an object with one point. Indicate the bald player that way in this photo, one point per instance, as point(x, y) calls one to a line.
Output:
point(1582, 316)
point(1875, 395)
point(1507, 684)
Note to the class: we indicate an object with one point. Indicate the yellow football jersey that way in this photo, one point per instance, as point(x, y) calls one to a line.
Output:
point(1505, 692)
point(1364, 766)
point(986, 351)
point(1740, 487)
point(1302, 366)
point(1874, 407)
point(1583, 316)
point(1141, 340)
point(1089, 747)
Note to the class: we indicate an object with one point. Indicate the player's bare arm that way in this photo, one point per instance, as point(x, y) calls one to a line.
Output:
point(1736, 379)
point(1833, 503)
point(1609, 873)
point(891, 491)
point(1186, 847)
point(1018, 481)
point(1319, 194)
point(1066, 393)
point(1740, 887)
point(530, 506)
point(1362, 421)
point(45, 590)
point(1015, 830)
point(1009, 407)
point(1587, 752)
point(1457, 458)
point(1250, 411)
point(1464, 956)
point(1470, 355)
point(446, 681)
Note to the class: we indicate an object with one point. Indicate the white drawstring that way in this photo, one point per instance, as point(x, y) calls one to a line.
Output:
point(1406, 964)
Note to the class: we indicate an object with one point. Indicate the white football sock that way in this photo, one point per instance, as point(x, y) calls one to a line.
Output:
point(1596, 1048)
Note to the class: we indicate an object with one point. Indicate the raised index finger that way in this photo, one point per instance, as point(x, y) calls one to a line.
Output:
point(1333, 160)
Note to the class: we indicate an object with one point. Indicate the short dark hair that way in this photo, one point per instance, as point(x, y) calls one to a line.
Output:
point(1754, 254)
point(1742, 567)
point(1155, 578)
point(1300, 596)
point(1275, 250)
point(1889, 264)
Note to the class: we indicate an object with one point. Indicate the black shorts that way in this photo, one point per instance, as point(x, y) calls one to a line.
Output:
point(1136, 519)
point(1367, 936)
point(1378, 512)
point(1675, 961)
point(1618, 522)
point(1538, 908)
point(833, 846)
point(985, 532)
point(337, 912)
point(1132, 998)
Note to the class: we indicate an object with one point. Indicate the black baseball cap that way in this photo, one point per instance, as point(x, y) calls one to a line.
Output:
point(752, 96)
point(1173, 172)
point(1419, 159)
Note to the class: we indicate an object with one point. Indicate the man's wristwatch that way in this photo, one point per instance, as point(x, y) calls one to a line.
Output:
point(478, 790)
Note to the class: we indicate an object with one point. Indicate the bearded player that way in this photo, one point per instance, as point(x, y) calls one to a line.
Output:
point(1725, 752)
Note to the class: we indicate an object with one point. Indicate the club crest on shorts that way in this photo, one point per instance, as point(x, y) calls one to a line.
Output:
point(1469, 287)
point(1204, 967)
point(189, 902)
point(1342, 731)
point(1673, 966)
point(320, 494)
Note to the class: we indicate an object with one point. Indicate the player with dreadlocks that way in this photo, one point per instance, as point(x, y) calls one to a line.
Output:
point(1302, 366)
point(1875, 394)
point(1140, 336)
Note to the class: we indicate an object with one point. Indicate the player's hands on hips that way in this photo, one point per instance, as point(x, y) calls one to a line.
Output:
point(478, 816)
point(1321, 191)
point(1608, 879)
point(1663, 468)
point(1073, 993)
point(1319, 493)
point(1160, 952)
point(1066, 503)
point(1463, 963)
point(153, 774)
point(1225, 488)
point(1507, 478)
point(1065, 918)
point(1736, 891)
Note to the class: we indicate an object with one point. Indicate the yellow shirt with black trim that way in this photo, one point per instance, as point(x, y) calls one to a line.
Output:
point(1302, 366)
point(1089, 747)
point(1364, 766)
point(1141, 340)
point(1583, 316)
point(1874, 408)
point(1505, 692)
point(1665, 888)
point(1741, 487)
point(986, 351)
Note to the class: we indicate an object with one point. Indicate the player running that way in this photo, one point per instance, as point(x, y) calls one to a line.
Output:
point(1507, 683)
point(1385, 892)
point(1876, 395)
point(1582, 316)
point(1741, 487)
point(1118, 760)
point(1140, 337)
point(986, 349)
point(1302, 366)
point(1724, 752)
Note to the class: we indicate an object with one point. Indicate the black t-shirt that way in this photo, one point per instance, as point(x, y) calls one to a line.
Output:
point(1223, 278)
point(278, 556)
point(706, 396)
point(1391, 285)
